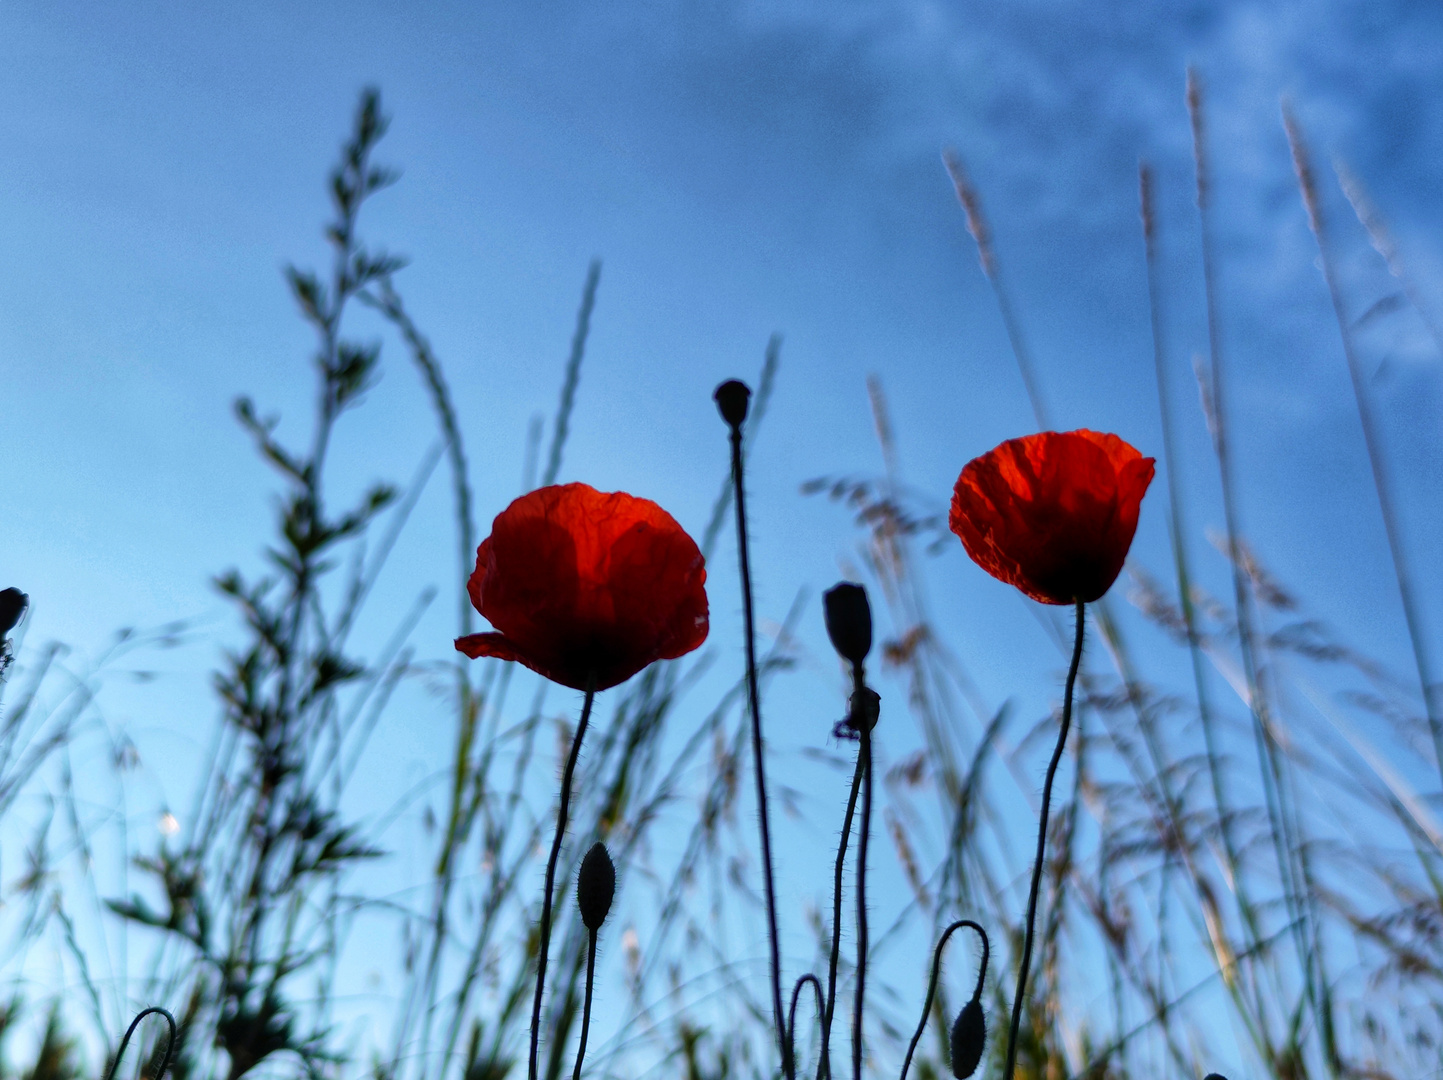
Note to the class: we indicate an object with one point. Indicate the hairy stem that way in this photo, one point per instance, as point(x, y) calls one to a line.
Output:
point(586, 1007)
point(824, 1065)
point(792, 1011)
point(544, 945)
point(753, 699)
point(1042, 846)
point(865, 756)
point(932, 983)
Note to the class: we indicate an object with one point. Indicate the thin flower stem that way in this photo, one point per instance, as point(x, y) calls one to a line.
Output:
point(545, 943)
point(865, 755)
point(586, 1006)
point(932, 985)
point(754, 701)
point(792, 1011)
point(1042, 845)
point(1178, 535)
point(824, 1065)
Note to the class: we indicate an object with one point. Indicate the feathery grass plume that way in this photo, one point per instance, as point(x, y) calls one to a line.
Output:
point(1381, 237)
point(1368, 422)
point(981, 232)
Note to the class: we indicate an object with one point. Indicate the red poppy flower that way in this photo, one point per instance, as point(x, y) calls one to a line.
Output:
point(1052, 513)
point(580, 582)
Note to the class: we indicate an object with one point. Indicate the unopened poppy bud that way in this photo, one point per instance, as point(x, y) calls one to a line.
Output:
point(849, 620)
point(969, 1036)
point(731, 401)
point(1215, 1076)
point(12, 606)
point(595, 886)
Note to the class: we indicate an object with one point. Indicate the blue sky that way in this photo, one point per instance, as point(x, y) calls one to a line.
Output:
point(741, 169)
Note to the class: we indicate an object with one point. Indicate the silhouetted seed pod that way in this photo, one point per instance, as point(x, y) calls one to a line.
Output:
point(849, 620)
point(969, 1036)
point(1215, 1076)
point(12, 606)
point(731, 401)
point(595, 886)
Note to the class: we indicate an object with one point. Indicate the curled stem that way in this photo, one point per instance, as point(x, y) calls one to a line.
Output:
point(753, 699)
point(545, 943)
point(586, 1007)
point(125, 1041)
point(792, 1011)
point(932, 983)
point(1041, 847)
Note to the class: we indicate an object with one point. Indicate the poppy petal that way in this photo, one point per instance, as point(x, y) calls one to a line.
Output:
point(586, 587)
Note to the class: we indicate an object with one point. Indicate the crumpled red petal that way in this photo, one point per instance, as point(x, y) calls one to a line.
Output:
point(582, 584)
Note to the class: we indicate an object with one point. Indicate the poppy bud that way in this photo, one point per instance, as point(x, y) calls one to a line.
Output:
point(1215, 1076)
point(12, 606)
point(969, 1036)
point(595, 886)
point(731, 401)
point(849, 620)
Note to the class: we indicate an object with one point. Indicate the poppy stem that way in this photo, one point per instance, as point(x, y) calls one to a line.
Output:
point(824, 1066)
point(792, 1011)
point(932, 985)
point(865, 757)
point(586, 1006)
point(545, 943)
point(154, 1010)
point(1041, 847)
point(753, 699)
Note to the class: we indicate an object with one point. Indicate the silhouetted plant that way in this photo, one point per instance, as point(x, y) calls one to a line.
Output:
point(250, 892)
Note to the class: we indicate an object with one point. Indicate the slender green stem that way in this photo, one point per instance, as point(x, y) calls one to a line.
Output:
point(824, 1065)
point(865, 755)
point(1021, 994)
point(545, 943)
point(586, 1006)
point(754, 700)
point(932, 983)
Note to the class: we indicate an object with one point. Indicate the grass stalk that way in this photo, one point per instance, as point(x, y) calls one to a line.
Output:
point(981, 232)
point(1382, 482)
